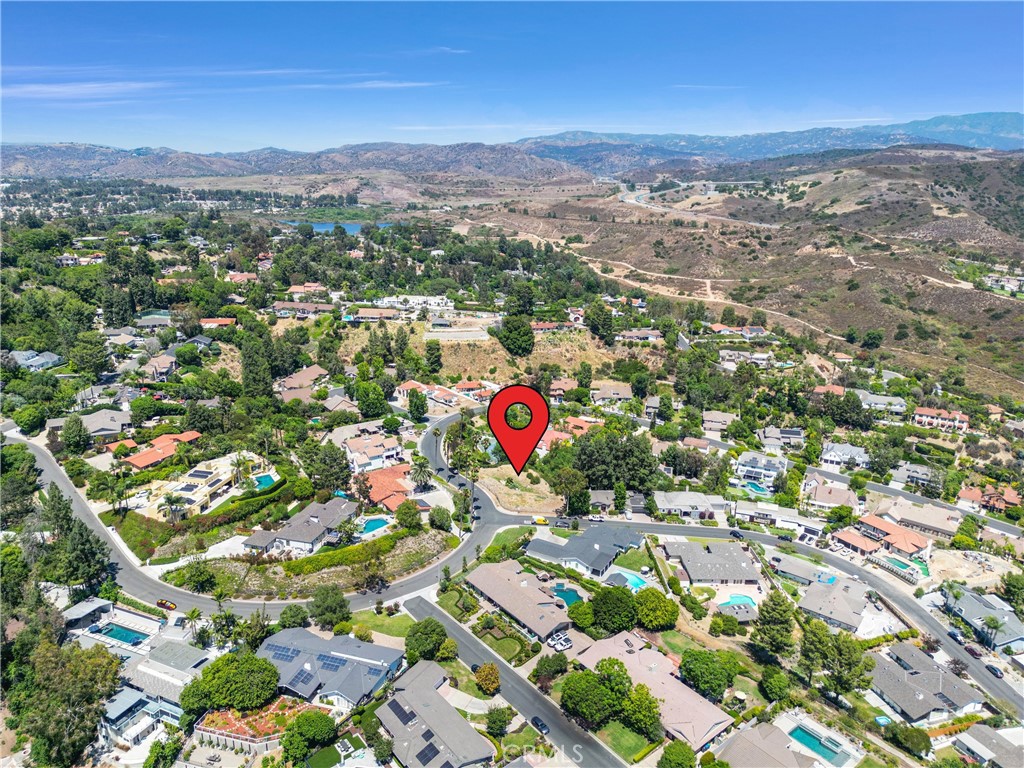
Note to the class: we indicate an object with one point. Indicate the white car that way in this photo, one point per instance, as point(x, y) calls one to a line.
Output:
point(564, 645)
point(558, 637)
point(596, 518)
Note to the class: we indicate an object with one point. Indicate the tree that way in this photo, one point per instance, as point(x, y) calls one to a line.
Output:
point(408, 515)
point(241, 681)
point(254, 630)
point(433, 355)
point(581, 614)
point(89, 354)
point(329, 606)
point(488, 679)
point(773, 630)
point(74, 435)
point(584, 375)
point(993, 626)
point(774, 684)
point(571, 485)
point(188, 354)
point(448, 651)
point(305, 734)
point(70, 685)
point(620, 497)
point(640, 384)
point(257, 380)
point(516, 335)
point(814, 647)
point(520, 299)
point(371, 400)
point(440, 519)
point(498, 720)
point(705, 673)
point(417, 405)
point(421, 473)
point(424, 640)
point(677, 754)
point(598, 319)
point(383, 750)
point(614, 609)
point(641, 713)
point(30, 418)
point(587, 699)
point(913, 740)
point(614, 676)
point(654, 610)
point(847, 666)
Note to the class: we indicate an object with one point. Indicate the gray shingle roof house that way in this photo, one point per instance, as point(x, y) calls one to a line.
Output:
point(841, 455)
point(713, 563)
point(763, 746)
point(307, 530)
point(752, 465)
point(689, 503)
point(340, 671)
point(780, 438)
point(591, 552)
point(103, 425)
point(36, 361)
point(973, 608)
point(913, 684)
point(522, 596)
point(895, 406)
point(426, 730)
point(839, 604)
point(989, 747)
point(717, 421)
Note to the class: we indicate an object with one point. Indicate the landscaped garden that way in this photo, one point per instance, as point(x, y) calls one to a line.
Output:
point(142, 534)
point(634, 560)
point(459, 603)
point(500, 636)
point(624, 742)
point(465, 679)
point(266, 722)
point(395, 626)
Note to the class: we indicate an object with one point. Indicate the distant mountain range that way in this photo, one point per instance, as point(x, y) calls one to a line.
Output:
point(541, 158)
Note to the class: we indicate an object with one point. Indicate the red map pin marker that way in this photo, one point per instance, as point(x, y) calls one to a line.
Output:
point(518, 444)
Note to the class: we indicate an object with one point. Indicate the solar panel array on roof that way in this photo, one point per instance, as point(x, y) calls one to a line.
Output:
point(447, 764)
point(403, 717)
point(428, 735)
point(302, 677)
point(428, 753)
point(188, 488)
point(282, 652)
point(374, 672)
point(331, 663)
point(199, 474)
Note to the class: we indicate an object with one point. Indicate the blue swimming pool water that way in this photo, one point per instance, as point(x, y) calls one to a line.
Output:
point(835, 755)
point(634, 581)
point(123, 634)
point(759, 489)
point(568, 594)
point(263, 481)
point(341, 494)
point(374, 524)
point(739, 600)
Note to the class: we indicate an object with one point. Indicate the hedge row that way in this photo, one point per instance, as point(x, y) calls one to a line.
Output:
point(138, 605)
point(237, 509)
point(874, 642)
point(351, 555)
point(645, 751)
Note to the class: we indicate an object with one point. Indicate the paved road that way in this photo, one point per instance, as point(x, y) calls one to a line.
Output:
point(572, 741)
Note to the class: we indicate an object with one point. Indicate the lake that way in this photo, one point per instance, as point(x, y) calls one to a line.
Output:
point(328, 226)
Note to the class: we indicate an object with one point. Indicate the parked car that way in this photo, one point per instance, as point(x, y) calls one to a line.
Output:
point(563, 645)
point(785, 537)
point(561, 524)
point(958, 636)
point(736, 534)
point(167, 605)
point(474, 668)
point(557, 638)
point(973, 651)
point(994, 670)
point(596, 518)
point(540, 725)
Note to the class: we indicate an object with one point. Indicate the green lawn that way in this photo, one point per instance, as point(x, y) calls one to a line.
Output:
point(703, 593)
point(510, 535)
point(141, 534)
point(623, 741)
point(749, 687)
point(564, 533)
point(556, 689)
point(870, 762)
point(467, 682)
point(677, 642)
point(450, 600)
point(634, 560)
point(506, 647)
point(395, 626)
point(524, 737)
point(325, 758)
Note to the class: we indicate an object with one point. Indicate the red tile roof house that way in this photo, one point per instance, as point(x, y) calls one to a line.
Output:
point(990, 498)
point(390, 486)
point(937, 418)
point(896, 538)
point(578, 426)
point(216, 322)
point(552, 436)
point(818, 393)
point(306, 289)
point(402, 390)
point(241, 277)
point(160, 448)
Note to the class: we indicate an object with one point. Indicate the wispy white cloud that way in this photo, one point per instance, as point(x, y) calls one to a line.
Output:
point(446, 49)
point(382, 85)
point(77, 91)
point(700, 87)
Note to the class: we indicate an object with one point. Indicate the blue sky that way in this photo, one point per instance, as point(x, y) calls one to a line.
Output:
point(235, 76)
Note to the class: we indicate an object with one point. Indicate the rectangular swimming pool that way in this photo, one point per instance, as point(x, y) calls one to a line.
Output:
point(374, 523)
point(827, 748)
point(123, 634)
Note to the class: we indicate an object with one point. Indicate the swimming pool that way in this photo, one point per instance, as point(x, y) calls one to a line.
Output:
point(123, 634)
point(263, 481)
point(374, 524)
point(633, 580)
point(758, 489)
point(898, 563)
point(738, 600)
point(827, 747)
point(568, 594)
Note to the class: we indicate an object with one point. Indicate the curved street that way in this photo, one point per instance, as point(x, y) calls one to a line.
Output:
point(145, 587)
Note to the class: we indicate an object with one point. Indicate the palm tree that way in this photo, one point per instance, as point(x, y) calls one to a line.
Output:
point(239, 463)
point(171, 505)
point(436, 432)
point(192, 619)
point(421, 472)
point(185, 453)
point(994, 625)
point(220, 596)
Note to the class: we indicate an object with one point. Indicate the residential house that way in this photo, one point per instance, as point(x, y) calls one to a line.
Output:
point(210, 323)
point(685, 714)
point(301, 292)
point(339, 671)
point(1015, 427)
point(125, 721)
point(844, 456)
point(307, 377)
point(369, 452)
point(691, 504)
point(714, 563)
point(426, 730)
point(824, 497)
point(819, 392)
point(975, 608)
point(985, 746)
point(301, 309)
point(86, 612)
point(340, 403)
point(390, 486)
point(882, 404)
point(160, 367)
point(774, 516)
point(842, 358)
point(160, 448)
point(730, 359)
point(611, 395)
point(895, 538)
point(920, 690)
point(240, 278)
point(580, 426)
point(716, 422)
point(551, 437)
point(857, 542)
point(650, 335)
point(989, 499)
point(938, 418)
point(930, 519)
point(602, 501)
point(795, 569)
point(764, 746)
point(34, 361)
point(697, 444)
point(522, 596)
point(548, 327)
point(306, 531)
point(914, 475)
point(757, 467)
point(103, 426)
point(779, 439)
point(591, 552)
point(161, 676)
point(375, 315)
point(840, 602)
point(558, 389)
